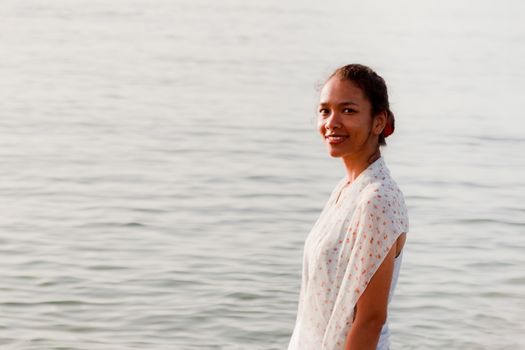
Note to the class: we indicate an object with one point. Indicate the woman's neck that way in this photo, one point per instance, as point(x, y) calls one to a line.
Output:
point(355, 166)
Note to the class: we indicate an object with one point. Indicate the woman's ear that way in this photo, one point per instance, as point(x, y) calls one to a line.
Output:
point(380, 122)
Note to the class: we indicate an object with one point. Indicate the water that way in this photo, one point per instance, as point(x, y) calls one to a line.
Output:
point(160, 168)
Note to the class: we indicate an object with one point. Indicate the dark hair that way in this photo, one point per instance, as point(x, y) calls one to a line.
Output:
point(372, 85)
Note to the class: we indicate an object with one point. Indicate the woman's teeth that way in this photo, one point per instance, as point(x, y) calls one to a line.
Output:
point(336, 139)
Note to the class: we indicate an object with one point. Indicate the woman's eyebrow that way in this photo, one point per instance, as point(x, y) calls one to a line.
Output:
point(344, 103)
point(347, 103)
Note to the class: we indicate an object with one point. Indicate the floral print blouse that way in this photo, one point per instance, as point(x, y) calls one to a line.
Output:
point(356, 229)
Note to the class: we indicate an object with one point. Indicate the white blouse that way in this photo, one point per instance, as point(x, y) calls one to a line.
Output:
point(355, 231)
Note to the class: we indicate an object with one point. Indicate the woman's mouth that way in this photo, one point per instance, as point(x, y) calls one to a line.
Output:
point(336, 139)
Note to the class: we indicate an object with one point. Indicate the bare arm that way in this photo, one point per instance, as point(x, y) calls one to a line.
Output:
point(372, 306)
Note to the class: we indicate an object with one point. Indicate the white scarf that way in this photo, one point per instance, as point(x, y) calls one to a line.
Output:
point(346, 246)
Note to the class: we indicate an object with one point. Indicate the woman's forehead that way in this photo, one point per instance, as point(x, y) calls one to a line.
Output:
point(341, 91)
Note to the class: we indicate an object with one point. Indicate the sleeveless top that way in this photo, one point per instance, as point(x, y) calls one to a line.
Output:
point(358, 226)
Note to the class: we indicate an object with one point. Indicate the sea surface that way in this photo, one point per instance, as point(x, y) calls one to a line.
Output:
point(160, 168)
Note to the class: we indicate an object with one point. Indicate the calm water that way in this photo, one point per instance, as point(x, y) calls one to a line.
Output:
point(160, 168)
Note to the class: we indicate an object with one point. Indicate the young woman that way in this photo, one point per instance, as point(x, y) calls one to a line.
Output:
point(352, 255)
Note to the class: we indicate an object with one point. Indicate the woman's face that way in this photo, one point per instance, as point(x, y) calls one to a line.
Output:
point(345, 120)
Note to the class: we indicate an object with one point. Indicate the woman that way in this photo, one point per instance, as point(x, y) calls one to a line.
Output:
point(353, 253)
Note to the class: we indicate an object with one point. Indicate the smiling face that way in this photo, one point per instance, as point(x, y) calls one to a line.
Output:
point(345, 121)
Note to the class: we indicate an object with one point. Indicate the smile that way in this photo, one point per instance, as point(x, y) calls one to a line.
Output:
point(335, 139)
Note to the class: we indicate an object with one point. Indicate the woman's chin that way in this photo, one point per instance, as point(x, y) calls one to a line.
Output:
point(334, 153)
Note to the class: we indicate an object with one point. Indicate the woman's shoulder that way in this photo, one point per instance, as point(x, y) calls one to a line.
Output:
point(382, 191)
point(384, 201)
point(379, 181)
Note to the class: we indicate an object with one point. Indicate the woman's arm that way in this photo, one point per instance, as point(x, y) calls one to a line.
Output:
point(372, 306)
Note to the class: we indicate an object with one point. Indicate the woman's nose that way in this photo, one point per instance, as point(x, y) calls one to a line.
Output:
point(332, 122)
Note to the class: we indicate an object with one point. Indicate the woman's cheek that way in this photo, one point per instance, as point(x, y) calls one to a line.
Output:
point(321, 128)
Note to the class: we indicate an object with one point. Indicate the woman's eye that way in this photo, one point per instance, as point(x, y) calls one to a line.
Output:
point(348, 110)
point(324, 111)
